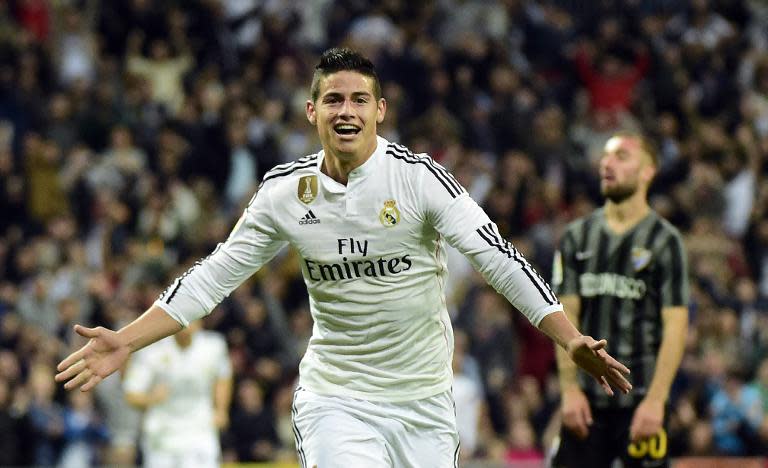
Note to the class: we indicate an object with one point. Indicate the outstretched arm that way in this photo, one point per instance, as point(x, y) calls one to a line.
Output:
point(108, 350)
point(251, 244)
point(469, 229)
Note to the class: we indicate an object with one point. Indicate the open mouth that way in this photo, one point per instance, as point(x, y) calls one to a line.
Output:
point(346, 129)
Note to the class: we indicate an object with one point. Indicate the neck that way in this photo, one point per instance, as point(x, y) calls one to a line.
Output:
point(338, 166)
point(624, 215)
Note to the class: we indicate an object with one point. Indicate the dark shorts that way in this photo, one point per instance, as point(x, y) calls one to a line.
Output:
point(609, 440)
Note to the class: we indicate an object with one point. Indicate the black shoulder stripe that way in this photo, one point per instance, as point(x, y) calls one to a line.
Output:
point(403, 158)
point(440, 172)
point(274, 173)
point(286, 165)
point(431, 162)
point(410, 160)
point(438, 169)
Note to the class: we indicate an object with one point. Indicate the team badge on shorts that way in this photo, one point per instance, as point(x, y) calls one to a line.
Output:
point(640, 258)
point(307, 190)
point(389, 215)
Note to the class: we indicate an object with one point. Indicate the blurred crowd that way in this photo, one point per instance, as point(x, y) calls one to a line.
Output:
point(133, 133)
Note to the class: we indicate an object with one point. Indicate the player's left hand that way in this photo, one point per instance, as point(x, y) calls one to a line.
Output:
point(591, 356)
point(647, 420)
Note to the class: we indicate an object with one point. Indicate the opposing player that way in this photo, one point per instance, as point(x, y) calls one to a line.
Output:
point(370, 220)
point(183, 385)
point(621, 273)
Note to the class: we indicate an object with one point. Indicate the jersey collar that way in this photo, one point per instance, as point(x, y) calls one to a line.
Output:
point(365, 169)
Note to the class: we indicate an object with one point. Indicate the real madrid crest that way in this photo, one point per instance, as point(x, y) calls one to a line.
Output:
point(307, 190)
point(389, 215)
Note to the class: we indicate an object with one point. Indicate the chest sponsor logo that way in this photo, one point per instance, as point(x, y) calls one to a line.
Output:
point(640, 258)
point(356, 263)
point(309, 218)
point(307, 189)
point(611, 284)
point(389, 215)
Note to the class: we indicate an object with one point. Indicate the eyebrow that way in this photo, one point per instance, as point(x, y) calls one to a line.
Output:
point(355, 94)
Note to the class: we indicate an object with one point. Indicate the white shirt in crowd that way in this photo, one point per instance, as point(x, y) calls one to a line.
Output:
point(185, 420)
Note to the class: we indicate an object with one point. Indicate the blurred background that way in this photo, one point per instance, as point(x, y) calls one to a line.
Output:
point(133, 133)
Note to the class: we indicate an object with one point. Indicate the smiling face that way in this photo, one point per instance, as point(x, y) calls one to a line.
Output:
point(346, 113)
point(626, 168)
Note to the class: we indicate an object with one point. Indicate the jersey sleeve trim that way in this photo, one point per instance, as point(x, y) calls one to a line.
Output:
point(178, 317)
point(492, 237)
point(289, 168)
point(443, 176)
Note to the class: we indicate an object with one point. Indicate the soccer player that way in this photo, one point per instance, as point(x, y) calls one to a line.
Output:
point(370, 220)
point(621, 273)
point(184, 385)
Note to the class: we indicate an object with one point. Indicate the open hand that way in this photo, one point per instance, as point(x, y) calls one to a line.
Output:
point(101, 356)
point(591, 356)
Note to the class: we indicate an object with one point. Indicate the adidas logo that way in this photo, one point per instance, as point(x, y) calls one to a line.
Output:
point(309, 218)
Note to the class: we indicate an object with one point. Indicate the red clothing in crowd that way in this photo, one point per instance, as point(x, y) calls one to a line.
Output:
point(611, 93)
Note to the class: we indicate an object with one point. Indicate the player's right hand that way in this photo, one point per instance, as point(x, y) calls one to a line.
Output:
point(590, 355)
point(577, 416)
point(104, 353)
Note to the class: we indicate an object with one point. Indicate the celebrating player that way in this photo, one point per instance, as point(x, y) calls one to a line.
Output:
point(370, 220)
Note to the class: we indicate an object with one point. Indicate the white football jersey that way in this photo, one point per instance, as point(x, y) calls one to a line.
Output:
point(185, 420)
point(373, 259)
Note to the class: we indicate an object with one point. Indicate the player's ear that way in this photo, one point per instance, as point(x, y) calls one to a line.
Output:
point(311, 116)
point(381, 111)
point(648, 172)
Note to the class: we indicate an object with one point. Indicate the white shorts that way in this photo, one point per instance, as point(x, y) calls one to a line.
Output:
point(345, 432)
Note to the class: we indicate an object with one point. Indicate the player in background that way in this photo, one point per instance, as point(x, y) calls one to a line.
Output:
point(370, 221)
point(183, 385)
point(621, 273)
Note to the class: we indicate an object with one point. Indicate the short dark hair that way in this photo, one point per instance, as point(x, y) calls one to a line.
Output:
point(343, 59)
point(646, 144)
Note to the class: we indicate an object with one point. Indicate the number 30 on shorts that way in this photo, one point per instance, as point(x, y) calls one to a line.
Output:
point(654, 447)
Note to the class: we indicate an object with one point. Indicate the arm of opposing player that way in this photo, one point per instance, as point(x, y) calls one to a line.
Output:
point(649, 415)
point(674, 314)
